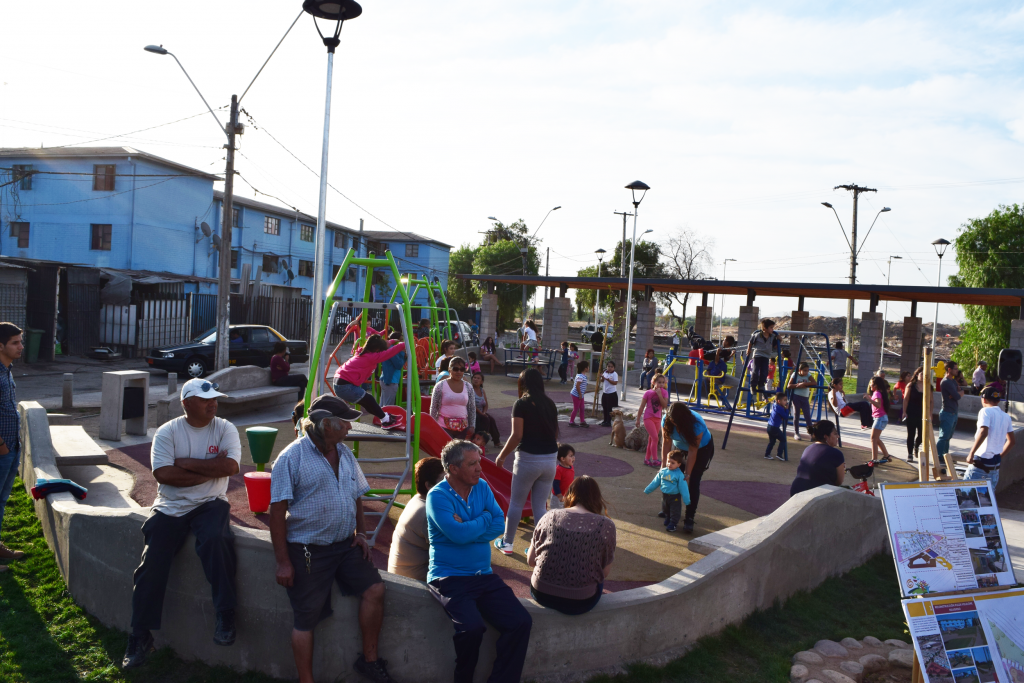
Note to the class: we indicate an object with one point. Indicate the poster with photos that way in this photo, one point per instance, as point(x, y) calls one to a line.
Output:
point(946, 536)
point(975, 638)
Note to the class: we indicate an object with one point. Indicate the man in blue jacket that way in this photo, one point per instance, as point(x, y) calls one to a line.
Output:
point(462, 519)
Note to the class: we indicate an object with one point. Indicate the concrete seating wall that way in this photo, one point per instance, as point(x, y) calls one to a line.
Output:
point(247, 387)
point(817, 534)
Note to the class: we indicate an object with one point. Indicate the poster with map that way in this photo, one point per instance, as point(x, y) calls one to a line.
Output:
point(969, 639)
point(946, 536)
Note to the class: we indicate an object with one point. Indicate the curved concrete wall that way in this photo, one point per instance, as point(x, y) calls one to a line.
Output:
point(815, 535)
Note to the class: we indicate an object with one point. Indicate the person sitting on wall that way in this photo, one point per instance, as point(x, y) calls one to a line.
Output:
point(319, 534)
point(462, 518)
point(410, 544)
point(280, 367)
point(192, 458)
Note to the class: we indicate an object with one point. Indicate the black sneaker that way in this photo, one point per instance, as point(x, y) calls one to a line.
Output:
point(139, 647)
point(768, 456)
point(224, 633)
point(376, 670)
point(662, 514)
point(687, 526)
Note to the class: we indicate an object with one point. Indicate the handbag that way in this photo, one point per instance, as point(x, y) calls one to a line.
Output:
point(456, 424)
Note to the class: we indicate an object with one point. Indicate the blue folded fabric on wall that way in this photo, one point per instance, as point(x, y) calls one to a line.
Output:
point(45, 487)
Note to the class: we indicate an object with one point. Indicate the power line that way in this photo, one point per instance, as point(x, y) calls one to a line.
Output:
point(121, 135)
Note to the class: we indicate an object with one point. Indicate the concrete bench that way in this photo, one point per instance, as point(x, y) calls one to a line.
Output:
point(72, 446)
point(248, 388)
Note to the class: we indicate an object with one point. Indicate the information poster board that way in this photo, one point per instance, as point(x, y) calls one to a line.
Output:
point(969, 638)
point(946, 536)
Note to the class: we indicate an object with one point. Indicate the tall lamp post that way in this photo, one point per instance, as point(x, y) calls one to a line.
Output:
point(597, 301)
point(528, 246)
point(885, 315)
point(337, 11)
point(632, 187)
point(940, 249)
point(721, 314)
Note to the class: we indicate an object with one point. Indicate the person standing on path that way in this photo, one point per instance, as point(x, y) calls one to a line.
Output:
point(951, 396)
point(684, 430)
point(993, 440)
point(453, 402)
point(801, 383)
point(838, 356)
point(192, 458)
point(462, 518)
point(763, 344)
point(609, 397)
point(11, 348)
point(913, 413)
point(534, 439)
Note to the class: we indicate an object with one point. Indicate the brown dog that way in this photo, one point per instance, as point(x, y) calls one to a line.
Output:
point(618, 436)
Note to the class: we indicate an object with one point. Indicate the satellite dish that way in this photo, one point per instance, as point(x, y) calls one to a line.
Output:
point(291, 275)
point(216, 241)
point(205, 227)
point(284, 263)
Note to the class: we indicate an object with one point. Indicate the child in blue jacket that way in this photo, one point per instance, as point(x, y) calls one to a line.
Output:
point(675, 492)
point(777, 425)
point(390, 376)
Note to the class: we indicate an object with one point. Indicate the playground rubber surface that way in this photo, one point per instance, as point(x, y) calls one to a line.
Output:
point(739, 486)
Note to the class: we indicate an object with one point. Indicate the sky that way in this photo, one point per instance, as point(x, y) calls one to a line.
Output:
point(741, 116)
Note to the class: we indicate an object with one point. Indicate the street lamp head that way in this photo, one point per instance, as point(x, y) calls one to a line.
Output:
point(885, 209)
point(826, 204)
point(332, 10)
point(637, 185)
point(155, 49)
point(646, 231)
point(491, 218)
point(556, 208)
point(940, 246)
point(600, 251)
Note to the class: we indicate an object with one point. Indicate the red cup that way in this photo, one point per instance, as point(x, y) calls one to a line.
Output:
point(257, 488)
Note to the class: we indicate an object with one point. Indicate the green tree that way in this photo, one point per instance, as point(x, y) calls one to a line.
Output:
point(989, 253)
point(648, 266)
point(504, 258)
point(461, 293)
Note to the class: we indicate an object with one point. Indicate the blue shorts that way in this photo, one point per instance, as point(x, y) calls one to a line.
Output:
point(349, 392)
point(880, 423)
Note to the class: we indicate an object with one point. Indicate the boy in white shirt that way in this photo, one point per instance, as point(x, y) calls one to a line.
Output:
point(992, 440)
point(609, 399)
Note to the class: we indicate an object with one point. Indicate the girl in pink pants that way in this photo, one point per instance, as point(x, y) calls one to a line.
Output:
point(654, 401)
point(579, 390)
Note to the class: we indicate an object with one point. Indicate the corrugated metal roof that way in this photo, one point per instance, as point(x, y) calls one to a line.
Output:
point(98, 152)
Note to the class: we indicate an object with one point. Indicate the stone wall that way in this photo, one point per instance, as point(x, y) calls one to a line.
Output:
point(870, 348)
point(704, 320)
point(489, 317)
point(1016, 389)
point(911, 348)
point(645, 316)
point(748, 322)
point(557, 314)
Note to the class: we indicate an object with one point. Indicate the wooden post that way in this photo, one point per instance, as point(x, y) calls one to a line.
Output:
point(915, 675)
point(926, 418)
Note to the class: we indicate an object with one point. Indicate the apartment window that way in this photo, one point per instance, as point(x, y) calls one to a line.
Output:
point(339, 239)
point(236, 216)
point(101, 236)
point(19, 230)
point(412, 250)
point(306, 233)
point(305, 268)
point(377, 248)
point(351, 275)
point(103, 177)
point(234, 259)
point(269, 264)
point(24, 172)
point(355, 244)
point(271, 226)
point(334, 273)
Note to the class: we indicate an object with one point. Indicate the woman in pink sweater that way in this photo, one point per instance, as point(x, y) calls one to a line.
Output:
point(357, 370)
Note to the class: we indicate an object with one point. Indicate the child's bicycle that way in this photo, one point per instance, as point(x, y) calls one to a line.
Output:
point(865, 472)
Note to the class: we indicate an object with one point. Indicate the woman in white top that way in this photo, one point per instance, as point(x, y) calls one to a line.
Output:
point(837, 399)
point(453, 402)
point(530, 335)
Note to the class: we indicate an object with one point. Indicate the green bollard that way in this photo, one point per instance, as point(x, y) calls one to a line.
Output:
point(261, 444)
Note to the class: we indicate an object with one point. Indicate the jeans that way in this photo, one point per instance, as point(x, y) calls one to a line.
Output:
point(388, 394)
point(563, 371)
point(978, 473)
point(774, 434)
point(704, 456)
point(947, 425)
point(567, 605)
point(645, 379)
point(298, 381)
point(531, 474)
point(759, 374)
point(8, 471)
point(353, 394)
point(215, 545)
point(472, 602)
point(672, 507)
point(801, 404)
point(882, 422)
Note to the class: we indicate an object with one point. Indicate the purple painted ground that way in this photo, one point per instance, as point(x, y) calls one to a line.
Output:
point(756, 497)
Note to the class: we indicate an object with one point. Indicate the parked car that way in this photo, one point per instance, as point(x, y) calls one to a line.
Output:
point(589, 330)
point(250, 345)
point(461, 333)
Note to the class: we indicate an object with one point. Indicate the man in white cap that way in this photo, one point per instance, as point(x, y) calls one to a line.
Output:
point(192, 457)
point(319, 535)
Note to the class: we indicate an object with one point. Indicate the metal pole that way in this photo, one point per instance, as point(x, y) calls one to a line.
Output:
point(321, 218)
point(597, 300)
point(885, 316)
point(629, 297)
point(935, 322)
point(227, 220)
point(853, 281)
point(721, 313)
point(525, 252)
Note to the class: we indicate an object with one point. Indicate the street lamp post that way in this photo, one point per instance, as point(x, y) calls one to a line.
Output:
point(632, 187)
point(721, 314)
point(337, 11)
point(885, 315)
point(597, 301)
point(940, 249)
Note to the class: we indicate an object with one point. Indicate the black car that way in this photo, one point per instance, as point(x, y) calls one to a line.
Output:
point(250, 345)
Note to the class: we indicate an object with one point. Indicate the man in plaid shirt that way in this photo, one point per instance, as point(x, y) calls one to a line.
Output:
point(11, 346)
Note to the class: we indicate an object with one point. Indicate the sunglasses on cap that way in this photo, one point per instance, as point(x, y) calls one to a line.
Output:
point(206, 386)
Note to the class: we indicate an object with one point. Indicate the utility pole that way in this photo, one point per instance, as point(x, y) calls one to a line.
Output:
point(622, 265)
point(856, 190)
point(227, 222)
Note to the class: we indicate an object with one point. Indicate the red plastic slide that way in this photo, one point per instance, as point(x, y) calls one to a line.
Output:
point(433, 439)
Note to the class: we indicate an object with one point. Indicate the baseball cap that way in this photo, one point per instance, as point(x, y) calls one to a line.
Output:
point(991, 393)
point(331, 406)
point(200, 388)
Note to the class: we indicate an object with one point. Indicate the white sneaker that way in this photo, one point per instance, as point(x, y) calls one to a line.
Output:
point(500, 544)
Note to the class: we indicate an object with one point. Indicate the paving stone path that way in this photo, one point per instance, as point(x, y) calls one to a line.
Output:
point(853, 661)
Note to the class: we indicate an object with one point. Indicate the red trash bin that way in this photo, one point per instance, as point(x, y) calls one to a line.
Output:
point(257, 488)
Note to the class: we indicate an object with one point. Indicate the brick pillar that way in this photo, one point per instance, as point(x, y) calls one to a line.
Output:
point(703, 321)
point(489, 317)
point(870, 348)
point(747, 326)
point(557, 312)
point(799, 320)
point(1015, 390)
point(912, 348)
point(646, 311)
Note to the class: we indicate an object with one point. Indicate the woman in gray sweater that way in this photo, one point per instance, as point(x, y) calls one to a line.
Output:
point(572, 551)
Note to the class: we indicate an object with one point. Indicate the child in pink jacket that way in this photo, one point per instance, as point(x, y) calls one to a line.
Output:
point(357, 370)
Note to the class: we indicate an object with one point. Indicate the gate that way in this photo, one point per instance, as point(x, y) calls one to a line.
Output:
point(83, 319)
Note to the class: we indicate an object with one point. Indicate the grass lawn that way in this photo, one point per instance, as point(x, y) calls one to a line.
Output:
point(46, 638)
